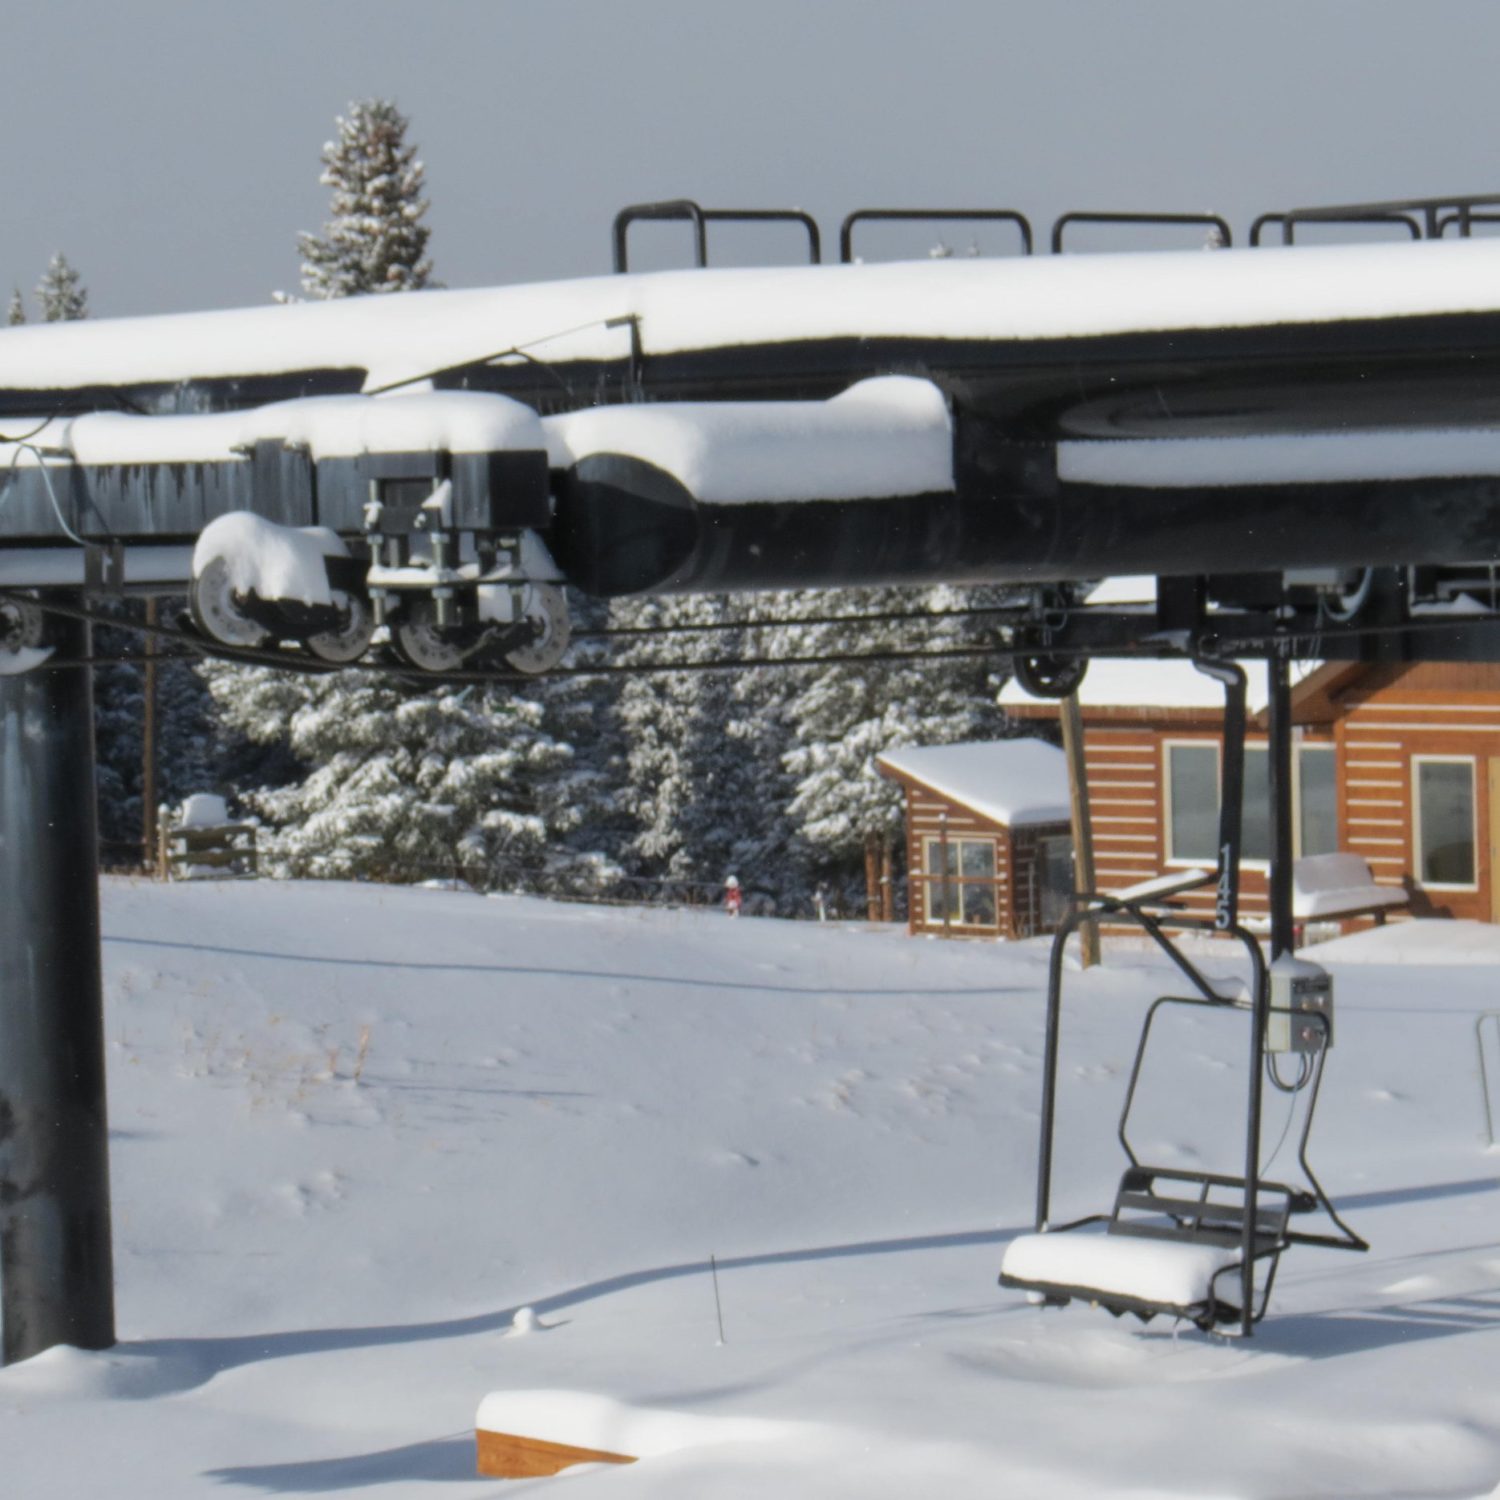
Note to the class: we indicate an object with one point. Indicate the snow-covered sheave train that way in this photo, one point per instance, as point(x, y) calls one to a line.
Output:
point(435, 464)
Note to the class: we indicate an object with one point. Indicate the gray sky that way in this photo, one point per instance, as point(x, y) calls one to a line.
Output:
point(170, 147)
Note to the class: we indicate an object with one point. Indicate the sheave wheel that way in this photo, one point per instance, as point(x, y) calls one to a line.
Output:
point(1050, 676)
point(212, 605)
point(419, 642)
point(350, 640)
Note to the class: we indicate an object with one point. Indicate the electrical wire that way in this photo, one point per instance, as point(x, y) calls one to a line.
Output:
point(520, 350)
point(1291, 1091)
point(1000, 652)
point(1304, 1073)
point(885, 617)
point(293, 662)
point(23, 446)
point(1350, 604)
point(41, 426)
point(51, 493)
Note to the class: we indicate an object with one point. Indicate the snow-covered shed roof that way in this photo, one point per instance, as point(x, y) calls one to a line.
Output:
point(1168, 684)
point(1011, 782)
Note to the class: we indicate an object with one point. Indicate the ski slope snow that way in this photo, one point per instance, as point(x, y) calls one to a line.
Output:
point(382, 1154)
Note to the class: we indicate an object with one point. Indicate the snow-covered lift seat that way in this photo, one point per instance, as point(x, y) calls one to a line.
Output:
point(1168, 1247)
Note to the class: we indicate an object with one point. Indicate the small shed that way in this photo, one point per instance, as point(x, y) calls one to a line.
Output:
point(988, 847)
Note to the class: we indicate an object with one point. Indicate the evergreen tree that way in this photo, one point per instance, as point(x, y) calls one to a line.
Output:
point(584, 801)
point(406, 785)
point(17, 314)
point(846, 713)
point(703, 750)
point(192, 751)
point(61, 293)
point(118, 705)
point(374, 240)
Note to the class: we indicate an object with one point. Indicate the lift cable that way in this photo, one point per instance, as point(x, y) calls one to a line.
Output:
point(1302, 644)
point(884, 617)
point(196, 646)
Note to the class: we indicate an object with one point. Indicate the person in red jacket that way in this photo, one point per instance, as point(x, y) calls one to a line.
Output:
point(733, 899)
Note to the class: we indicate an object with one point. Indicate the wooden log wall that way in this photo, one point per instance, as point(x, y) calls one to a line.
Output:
point(1435, 709)
point(927, 816)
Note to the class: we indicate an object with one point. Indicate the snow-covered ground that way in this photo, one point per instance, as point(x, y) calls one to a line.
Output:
point(356, 1129)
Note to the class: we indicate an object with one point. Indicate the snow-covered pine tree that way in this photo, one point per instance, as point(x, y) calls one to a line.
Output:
point(190, 751)
point(703, 750)
point(584, 801)
point(406, 785)
point(356, 793)
point(118, 706)
point(374, 240)
point(16, 315)
point(61, 293)
point(661, 723)
point(845, 713)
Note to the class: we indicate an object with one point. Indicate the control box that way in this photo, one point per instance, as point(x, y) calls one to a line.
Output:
point(1301, 1017)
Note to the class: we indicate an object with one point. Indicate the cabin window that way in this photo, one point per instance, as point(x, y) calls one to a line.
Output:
point(1255, 830)
point(959, 882)
point(1443, 791)
point(1317, 821)
point(1193, 803)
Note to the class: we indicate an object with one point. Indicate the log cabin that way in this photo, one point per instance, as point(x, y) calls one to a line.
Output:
point(988, 847)
point(1398, 763)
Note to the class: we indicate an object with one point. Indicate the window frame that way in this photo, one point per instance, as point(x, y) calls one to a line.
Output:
point(956, 882)
point(1210, 742)
point(1262, 746)
point(1415, 792)
point(1299, 749)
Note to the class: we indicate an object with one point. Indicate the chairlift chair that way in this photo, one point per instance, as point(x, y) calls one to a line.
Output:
point(1199, 1246)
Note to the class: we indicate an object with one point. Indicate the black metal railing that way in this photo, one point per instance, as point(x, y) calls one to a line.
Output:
point(1434, 213)
point(1465, 222)
point(1215, 222)
point(931, 216)
point(1416, 218)
point(685, 210)
point(1287, 224)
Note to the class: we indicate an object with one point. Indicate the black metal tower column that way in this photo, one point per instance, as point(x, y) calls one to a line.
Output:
point(1279, 758)
point(56, 1271)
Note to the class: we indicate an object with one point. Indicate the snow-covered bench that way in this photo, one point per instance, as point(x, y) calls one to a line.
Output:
point(1329, 887)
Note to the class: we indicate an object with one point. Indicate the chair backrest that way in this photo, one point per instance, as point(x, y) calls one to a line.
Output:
point(1204, 1207)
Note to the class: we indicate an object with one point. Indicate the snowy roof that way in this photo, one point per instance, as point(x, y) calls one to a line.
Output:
point(408, 335)
point(1008, 781)
point(1168, 684)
